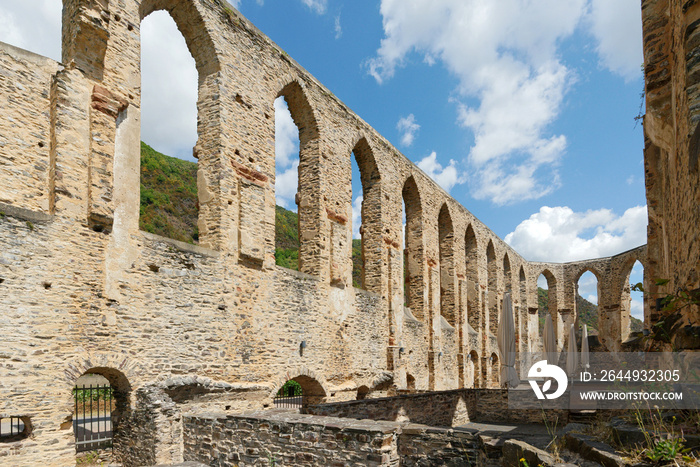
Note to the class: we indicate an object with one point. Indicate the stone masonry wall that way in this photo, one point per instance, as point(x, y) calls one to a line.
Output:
point(671, 30)
point(443, 408)
point(83, 290)
point(268, 438)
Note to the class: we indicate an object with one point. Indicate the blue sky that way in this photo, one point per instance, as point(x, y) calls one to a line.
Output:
point(524, 111)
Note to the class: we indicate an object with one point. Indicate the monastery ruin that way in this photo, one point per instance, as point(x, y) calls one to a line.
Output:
point(176, 327)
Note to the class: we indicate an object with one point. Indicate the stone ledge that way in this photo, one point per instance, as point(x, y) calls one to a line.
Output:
point(25, 214)
point(183, 246)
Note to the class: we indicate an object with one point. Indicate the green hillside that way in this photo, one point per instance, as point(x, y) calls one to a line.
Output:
point(168, 196)
point(286, 238)
point(588, 312)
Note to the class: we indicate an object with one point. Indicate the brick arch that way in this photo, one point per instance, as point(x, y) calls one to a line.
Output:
point(583, 269)
point(311, 383)
point(310, 218)
point(121, 372)
point(116, 366)
point(192, 25)
point(371, 215)
point(414, 253)
point(446, 244)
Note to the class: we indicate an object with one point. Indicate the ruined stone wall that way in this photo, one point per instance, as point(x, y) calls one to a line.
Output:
point(439, 408)
point(672, 144)
point(293, 439)
point(83, 290)
point(25, 127)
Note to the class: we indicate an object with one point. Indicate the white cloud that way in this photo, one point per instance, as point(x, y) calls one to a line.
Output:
point(505, 56)
point(559, 234)
point(319, 6)
point(286, 186)
point(408, 128)
point(34, 25)
point(286, 135)
point(286, 155)
point(237, 3)
point(338, 28)
point(637, 309)
point(617, 26)
point(446, 177)
point(168, 106)
point(357, 216)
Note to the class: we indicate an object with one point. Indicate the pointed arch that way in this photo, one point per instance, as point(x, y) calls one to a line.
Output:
point(552, 308)
point(413, 249)
point(492, 294)
point(308, 182)
point(371, 231)
point(625, 296)
point(507, 274)
point(448, 307)
point(471, 253)
point(523, 328)
point(193, 27)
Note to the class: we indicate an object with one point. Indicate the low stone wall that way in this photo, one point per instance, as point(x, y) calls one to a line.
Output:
point(441, 408)
point(285, 438)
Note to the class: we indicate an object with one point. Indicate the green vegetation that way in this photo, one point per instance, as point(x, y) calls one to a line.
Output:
point(286, 238)
point(290, 388)
point(169, 204)
point(357, 263)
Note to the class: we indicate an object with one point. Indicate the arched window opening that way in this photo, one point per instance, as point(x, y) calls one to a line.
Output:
point(362, 392)
point(366, 214)
point(413, 249)
point(168, 197)
point(507, 275)
point(473, 369)
point(523, 327)
point(471, 255)
point(299, 178)
point(547, 300)
point(495, 371)
point(358, 260)
point(286, 184)
point(447, 271)
point(492, 297)
point(101, 401)
point(587, 290)
point(633, 303)
point(508, 284)
point(410, 382)
point(299, 392)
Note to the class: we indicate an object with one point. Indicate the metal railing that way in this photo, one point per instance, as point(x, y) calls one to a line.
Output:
point(11, 427)
point(288, 402)
point(92, 419)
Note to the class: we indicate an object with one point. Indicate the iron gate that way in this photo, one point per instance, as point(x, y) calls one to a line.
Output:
point(92, 419)
point(289, 397)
